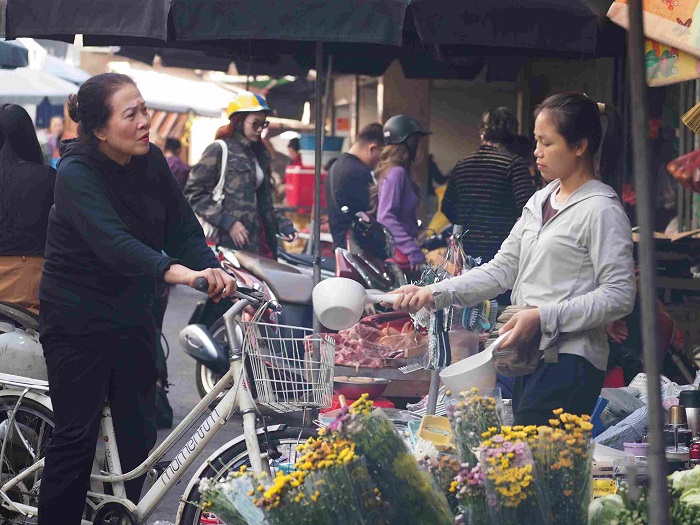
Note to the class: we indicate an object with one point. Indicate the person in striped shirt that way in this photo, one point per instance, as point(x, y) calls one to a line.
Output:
point(487, 190)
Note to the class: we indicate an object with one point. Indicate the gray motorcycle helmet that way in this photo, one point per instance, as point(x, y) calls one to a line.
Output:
point(398, 128)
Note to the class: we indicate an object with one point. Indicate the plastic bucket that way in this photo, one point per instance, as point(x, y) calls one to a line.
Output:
point(637, 449)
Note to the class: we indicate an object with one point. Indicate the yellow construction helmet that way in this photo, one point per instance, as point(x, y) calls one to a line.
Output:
point(247, 102)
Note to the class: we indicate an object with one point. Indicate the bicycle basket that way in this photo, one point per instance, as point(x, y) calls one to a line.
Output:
point(280, 363)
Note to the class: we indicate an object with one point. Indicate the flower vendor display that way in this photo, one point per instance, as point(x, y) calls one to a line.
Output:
point(330, 484)
point(409, 492)
point(472, 413)
point(468, 487)
point(563, 454)
point(511, 480)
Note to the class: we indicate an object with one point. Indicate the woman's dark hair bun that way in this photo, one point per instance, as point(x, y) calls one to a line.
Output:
point(73, 108)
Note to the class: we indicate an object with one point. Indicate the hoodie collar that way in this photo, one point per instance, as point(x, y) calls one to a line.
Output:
point(592, 188)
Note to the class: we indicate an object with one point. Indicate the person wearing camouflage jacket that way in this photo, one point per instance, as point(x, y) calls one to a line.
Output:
point(246, 217)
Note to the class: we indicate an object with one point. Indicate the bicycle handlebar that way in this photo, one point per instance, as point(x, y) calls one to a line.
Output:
point(243, 292)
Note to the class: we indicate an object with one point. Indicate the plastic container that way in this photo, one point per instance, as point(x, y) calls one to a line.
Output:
point(307, 141)
point(299, 186)
point(308, 157)
point(638, 449)
point(476, 371)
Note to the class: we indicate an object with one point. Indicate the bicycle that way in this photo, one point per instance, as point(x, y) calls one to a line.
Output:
point(270, 363)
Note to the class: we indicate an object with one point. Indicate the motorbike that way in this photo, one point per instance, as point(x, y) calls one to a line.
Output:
point(368, 255)
point(289, 281)
point(289, 285)
point(20, 349)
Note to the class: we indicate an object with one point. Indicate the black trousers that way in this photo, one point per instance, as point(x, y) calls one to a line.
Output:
point(83, 371)
point(573, 384)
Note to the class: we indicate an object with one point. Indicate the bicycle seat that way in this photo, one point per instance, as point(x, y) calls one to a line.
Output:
point(302, 259)
point(287, 283)
point(20, 315)
point(23, 382)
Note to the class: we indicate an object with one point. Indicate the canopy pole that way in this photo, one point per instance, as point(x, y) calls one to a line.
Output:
point(316, 219)
point(643, 184)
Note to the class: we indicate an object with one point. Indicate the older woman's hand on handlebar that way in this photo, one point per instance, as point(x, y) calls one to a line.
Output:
point(221, 284)
point(412, 298)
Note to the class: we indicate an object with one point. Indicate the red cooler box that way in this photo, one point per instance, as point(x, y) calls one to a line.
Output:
point(299, 186)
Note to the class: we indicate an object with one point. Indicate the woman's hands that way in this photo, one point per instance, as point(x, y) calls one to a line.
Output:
point(522, 326)
point(239, 234)
point(412, 298)
point(221, 284)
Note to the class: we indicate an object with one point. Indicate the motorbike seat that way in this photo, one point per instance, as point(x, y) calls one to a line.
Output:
point(287, 283)
point(20, 315)
point(302, 259)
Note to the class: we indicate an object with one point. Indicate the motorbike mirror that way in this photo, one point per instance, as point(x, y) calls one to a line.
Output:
point(198, 342)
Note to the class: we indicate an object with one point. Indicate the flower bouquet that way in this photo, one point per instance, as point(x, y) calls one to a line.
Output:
point(563, 455)
point(468, 488)
point(231, 500)
point(443, 469)
point(473, 413)
point(331, 484)
point(511, 482)
point(409, 492)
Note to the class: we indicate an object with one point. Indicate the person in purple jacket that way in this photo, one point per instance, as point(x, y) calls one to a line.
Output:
point(398, 192)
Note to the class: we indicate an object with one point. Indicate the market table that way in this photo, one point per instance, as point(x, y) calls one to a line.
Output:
point(411, 385)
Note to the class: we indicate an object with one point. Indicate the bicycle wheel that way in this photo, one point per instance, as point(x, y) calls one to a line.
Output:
point(283, 441)
point(25, 443)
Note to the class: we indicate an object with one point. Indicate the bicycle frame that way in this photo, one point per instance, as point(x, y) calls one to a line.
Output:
point(187, 455)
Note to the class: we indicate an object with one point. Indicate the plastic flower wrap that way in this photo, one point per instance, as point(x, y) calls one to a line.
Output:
point(511, 482)
point(410, 493)
point(443, 469)
point(468, 488)
point(331, 484)
point(473, 413)
point(231, 498)
point(337, 485)
point(563, 455)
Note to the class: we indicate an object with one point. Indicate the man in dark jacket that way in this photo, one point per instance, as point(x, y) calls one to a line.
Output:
point(350, 180)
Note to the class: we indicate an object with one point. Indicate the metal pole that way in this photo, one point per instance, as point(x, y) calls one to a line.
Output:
point(315, 234)
point(433, 392)
point(643, 182)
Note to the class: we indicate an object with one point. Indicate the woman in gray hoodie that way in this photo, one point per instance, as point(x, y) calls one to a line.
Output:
point(569, 257)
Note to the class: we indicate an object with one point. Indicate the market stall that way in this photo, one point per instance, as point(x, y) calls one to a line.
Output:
point(194, 23)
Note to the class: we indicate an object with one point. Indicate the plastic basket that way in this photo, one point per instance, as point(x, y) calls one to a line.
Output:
point(280, 364)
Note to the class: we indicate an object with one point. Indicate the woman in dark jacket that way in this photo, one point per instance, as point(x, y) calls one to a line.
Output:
point(26, 196)
point(118, 227)
point(245, 217)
